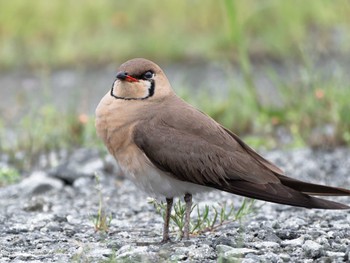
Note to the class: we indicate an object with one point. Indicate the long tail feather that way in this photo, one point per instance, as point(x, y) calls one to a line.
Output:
point(278, 193)
point(313, 189)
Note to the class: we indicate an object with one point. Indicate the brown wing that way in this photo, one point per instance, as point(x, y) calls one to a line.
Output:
point(304, 187)
point(253, 153)
point(192, 147)
point(195, 148)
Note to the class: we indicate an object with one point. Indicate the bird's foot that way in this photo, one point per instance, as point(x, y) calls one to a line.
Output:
point(165, 240)
point(185, 236)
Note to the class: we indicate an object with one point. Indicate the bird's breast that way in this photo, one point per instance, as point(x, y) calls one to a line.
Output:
point(115, 122)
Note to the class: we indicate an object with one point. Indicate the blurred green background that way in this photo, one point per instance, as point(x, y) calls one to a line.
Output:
point(67, 33)
point(273, 71)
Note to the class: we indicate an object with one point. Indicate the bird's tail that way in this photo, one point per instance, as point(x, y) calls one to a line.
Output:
point(313, 189)
point(288, 192)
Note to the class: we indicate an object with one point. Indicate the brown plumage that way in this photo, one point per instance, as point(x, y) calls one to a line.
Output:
point(169, 148)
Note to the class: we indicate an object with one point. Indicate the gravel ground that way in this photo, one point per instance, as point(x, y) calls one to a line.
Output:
point(47, 217)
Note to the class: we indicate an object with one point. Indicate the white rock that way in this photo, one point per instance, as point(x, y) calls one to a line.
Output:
point(285, 257)
point(200, 253)
point(239, 251)
point(132, 254)
point(98, 251)
point(293, 242)
point(294, 223)
point(266, 244)
point(121, 223)
point(244, 260)
point(73, 220)
point(312, 248)
point(335, 254)
point(126, 249)
point(94, 165)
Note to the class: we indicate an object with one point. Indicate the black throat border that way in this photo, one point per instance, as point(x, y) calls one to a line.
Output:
point(150, 92)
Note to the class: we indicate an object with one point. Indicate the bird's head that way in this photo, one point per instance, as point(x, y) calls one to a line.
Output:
point(140, 79)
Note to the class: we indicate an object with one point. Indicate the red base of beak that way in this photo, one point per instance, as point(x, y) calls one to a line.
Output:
point(131, 79)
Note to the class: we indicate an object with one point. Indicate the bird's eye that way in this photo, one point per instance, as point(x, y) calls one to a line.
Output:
point(148, 75)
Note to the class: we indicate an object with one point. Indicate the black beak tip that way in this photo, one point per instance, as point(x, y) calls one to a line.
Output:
point(121, 75)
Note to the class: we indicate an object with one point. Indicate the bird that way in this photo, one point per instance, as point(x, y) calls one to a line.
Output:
point(168, 148)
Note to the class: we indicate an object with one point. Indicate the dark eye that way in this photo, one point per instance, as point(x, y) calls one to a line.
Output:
point(148, 75)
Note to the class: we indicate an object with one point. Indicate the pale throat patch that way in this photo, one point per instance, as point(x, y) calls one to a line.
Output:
point(131, 90)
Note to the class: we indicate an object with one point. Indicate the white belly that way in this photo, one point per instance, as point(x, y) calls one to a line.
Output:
point(158, 184)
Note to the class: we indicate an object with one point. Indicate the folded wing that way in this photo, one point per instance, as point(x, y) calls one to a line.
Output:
point(183, 151)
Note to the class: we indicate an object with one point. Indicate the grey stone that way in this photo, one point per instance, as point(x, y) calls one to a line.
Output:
point(239, 252)
point(285, 257)
point(265, 244)
point(178, 257)
point(312, 249)
point(333, 254)
point(271, 257)
point(37, 204)
point(17, 229)
point(82, 163)
point(287, 234)
point(136, 254)
point(223, 248)
point(294, 223)
point(246, 260)
point(181, 251)
point(293, 242)
point(268, 234)
point(201, 252)
point(83, 183)
point(53, 226)
point(97, 252)
point(39, 183)
point(224, 240)
point(24, 256)
point(73, 220)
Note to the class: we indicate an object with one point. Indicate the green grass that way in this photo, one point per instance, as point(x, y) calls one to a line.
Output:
point(69, 33)
point(46, 130)
point(206, 220)
point(101, 220)
point(8, 176)
point(313, 111)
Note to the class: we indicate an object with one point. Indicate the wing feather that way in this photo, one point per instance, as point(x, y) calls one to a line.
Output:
point(191, 158)
point(205, 153)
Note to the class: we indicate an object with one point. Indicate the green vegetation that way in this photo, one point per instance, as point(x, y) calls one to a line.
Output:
point(311, 112)
point(101, 220)
point(65, 32)
point(209, 219)
point(47, 130)
point(8, 176)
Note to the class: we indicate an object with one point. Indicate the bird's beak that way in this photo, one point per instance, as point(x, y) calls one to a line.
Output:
point(122, 75)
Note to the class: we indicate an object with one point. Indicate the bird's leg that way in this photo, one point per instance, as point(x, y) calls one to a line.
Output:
point(188, 201)
point(169, 204)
